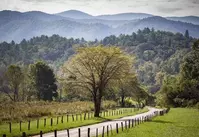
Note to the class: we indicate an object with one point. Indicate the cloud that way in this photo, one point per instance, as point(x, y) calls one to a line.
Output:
point(42, 0)
point(96, 7)
point(168, 9)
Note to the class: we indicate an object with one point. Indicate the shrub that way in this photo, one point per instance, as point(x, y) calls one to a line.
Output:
point(191, 102)
point(22, 111)
point(109, 105)
point(197, 106)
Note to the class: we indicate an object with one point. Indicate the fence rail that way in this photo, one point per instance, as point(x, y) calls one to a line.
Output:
point(108, 129)
point(53, 121)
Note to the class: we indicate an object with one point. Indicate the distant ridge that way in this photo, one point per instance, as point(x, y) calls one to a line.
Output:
point(188, 19)
point(124, 16)
point(75, 14)
point(25, 25)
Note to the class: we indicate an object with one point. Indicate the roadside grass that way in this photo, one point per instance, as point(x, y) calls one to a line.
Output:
point(179, 122)
point(24, 111)
point(4, 128)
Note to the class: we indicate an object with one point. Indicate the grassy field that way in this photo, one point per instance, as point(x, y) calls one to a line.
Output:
point(24, 111)
point(4, 128)
point(179, 122)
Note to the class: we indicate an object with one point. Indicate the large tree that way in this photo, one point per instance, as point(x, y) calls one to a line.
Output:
point(94, 68)
point(189, 74)
point(13, 78)
point(190, 67)
point(127, 87)
point(44, 81)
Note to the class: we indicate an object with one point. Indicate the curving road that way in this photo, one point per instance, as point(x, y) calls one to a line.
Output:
point(111, 125)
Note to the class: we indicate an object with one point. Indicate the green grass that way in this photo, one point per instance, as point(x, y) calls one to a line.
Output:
point(179, 122)
point(4, 128)
point(24, 111)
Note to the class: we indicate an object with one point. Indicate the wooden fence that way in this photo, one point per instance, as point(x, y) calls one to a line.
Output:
point(68, 118)
point(124, 125)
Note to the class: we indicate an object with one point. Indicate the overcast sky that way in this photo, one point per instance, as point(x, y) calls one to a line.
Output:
point(98, 7)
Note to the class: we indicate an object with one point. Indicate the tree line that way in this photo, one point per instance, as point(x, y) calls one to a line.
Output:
point(182, 90)
point(158, 58)
point(92, 72)
point(36, 81)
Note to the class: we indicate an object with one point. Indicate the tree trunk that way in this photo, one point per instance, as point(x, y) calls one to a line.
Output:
point(97, 107)
point(97, 103)
point(16, 95)
point(122, 101)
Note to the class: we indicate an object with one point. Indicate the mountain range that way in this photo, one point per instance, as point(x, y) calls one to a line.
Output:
point(25, 25)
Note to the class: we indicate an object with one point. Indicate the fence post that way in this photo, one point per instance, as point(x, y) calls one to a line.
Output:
point(51, 122)
point(73, 118)
point(132, 122)
point(122, 126)
point(103, 131)
point(67, 118)
point(57, 120)
point(41, 133)
point(111, 129)
point(45, 122)
point(107, 131)
point(20, 125)
point(10, 127)
point(138, 121)
point(96, 132)
point(24, 134)
point(117, 131)
point(129, 123)
point(62, 119)
point(84, 116)
point(68, 133)
point(37, 123)
point(29, 125)
point(135, 121)
point(55, 133)
point(79, 132)
point(88, 132)
point(125, 124)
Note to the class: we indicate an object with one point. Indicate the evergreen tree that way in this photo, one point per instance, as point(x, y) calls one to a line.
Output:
point(186, 34)
point(14, 78)
point(44, 81)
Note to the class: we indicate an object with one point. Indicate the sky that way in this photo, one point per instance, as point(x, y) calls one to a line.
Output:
point(99, 7)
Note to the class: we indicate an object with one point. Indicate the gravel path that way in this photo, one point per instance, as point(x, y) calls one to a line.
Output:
point(111, 125)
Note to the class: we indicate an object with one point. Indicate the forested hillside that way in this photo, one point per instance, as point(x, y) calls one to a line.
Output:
point(158, 52)
point(25, 25)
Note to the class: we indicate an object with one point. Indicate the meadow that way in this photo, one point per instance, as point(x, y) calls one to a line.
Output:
point(24, 111)
point(73, 117)
point(179, 122)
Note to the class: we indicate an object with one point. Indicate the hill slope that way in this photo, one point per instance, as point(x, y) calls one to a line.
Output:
point(75, 14)
point(124, 16)
point(187, 19)
point(17, 26)
point(159, 23)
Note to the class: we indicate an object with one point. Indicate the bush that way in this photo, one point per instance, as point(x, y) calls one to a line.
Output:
point(128, 102)
point(109, 105)
point(197, 106)
point(192, 102)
